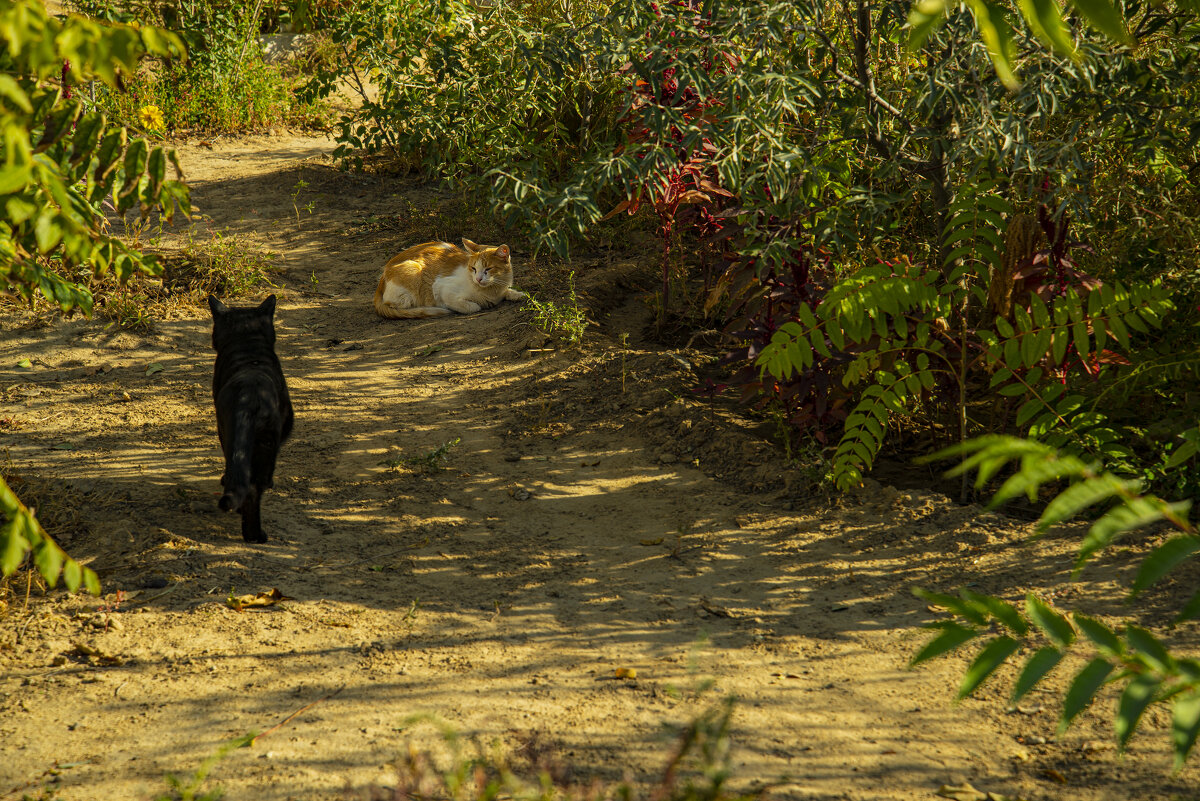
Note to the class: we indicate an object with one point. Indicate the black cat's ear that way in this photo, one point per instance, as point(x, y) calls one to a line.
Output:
point(267, 307)
point(470, 246)
point(217, 307)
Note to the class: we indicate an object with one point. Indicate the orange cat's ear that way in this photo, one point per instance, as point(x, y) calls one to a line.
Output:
point(470, 246)
point(502, 251)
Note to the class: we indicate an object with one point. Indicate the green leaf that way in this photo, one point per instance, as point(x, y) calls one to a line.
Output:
point(72, 574)
point(1082, 494)
point(48, 558)
point(923, 18)
point(1164, 559)
point(1181, 454)
point(958, 606)
point(1029, 410)
point(13, 178)
point(87, 135)
point(1191, 609)
point(1083, 690)
point(91, 581)
point(135, 163)
point(1133, 514)
point(1138, 695)
point(1046, 22)
point(1060, 340)
point(1033, 475)
point(9, 88)
point(1151, 651)
point(108, 155)
point(1041, 663)
point(156, 169)
point(47, 230)
point(16, 545)
point(952, 637)
point(58, 125)
point(1082, 341)
point(997, 34)
point(991, 657)
point(1185, 725)
point(1001, 610)
point(1104, 17)
point(1104, 637)
point(1056, 627)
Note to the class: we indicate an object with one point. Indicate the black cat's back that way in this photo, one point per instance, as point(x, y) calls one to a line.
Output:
point(254, 410)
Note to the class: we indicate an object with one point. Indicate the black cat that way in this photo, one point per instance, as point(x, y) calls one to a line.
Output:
point(254, 413)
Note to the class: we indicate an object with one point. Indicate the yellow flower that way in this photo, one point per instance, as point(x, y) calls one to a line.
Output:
point(152, 118)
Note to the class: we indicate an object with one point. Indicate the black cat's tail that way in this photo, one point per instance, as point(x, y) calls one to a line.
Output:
point(237, 467)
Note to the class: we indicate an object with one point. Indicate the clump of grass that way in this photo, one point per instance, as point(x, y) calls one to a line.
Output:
point(697, 769)
point(430, 462)
point(223, 264)
point(226, 83)
point(219, 264)
point(563, 322)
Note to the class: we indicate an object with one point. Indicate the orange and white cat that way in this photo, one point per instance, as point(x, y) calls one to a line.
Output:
point(437, 278)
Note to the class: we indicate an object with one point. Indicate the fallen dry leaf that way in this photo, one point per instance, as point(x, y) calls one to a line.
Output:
point(260, 600)
point(1054, 775)
point(965, 792)
point(95, 656)
point(625, 673)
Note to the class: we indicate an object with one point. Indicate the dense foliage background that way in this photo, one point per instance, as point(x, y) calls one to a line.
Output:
point(899, 218)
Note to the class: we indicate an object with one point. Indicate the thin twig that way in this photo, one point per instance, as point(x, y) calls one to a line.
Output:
point(289, 718)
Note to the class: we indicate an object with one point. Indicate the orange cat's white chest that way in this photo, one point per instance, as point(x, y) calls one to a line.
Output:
point(449, 289)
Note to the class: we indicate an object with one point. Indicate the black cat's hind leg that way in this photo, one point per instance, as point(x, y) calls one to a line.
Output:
point(251, 519)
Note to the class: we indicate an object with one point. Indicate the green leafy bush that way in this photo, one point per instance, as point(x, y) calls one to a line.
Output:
point(1128, 656)
point(563, 322)
point(63, 167)
point(224, 84)
point(21, 534)
point(866, 169)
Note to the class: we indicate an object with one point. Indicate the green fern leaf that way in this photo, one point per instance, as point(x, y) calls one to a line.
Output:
point(994, 654)
point(1081, 339)
point(1185, 725)
point(1037, 668)
point(1060, 339)
point(1133, 514)
point(1032, 476)
point(1104, 638)
point(1001, 375)
point(1001, 610)
point(1164, 559)
point(1083, 690)
point(1028, 411)
point(1149, 650)
point(1138, 695)
point(1055, 626)
point(1079, 496)
point(1100, 332)
point(953, 636)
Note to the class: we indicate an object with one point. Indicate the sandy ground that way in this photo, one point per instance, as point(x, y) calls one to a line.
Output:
point(574, 529)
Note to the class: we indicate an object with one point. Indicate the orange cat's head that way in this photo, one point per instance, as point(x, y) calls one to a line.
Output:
point(489, 266)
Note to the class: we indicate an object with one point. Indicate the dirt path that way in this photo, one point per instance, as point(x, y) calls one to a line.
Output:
point(574, 529)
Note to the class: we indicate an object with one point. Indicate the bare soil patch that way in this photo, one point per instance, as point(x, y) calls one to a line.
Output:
point(575, 528)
